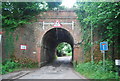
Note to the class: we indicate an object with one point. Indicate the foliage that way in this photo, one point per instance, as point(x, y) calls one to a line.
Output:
point(8, 43)
point(64, 48)
point(10, 65)
point(97, 71)
point(69, 54)
point(15, 14)
point(52, 5)
point(25, 61)
point(103, 18)
point(0, 68)
point(18, 13)
point(62, 8)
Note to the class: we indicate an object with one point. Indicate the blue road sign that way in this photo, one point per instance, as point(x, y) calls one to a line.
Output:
point(104, 46)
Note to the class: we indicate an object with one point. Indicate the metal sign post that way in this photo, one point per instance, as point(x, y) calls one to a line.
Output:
point(103, 58)
point(117, 63)
point(103, 48)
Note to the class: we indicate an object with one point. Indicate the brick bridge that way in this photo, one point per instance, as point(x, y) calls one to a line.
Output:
point(42, 38)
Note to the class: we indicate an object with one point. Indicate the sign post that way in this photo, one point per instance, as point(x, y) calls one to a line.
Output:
point(117, 63)
point(103, 48)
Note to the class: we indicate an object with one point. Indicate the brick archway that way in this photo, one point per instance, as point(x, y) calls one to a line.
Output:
point(68, 20)
point(50, 40)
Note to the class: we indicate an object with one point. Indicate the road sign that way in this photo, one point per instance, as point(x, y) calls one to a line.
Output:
point(57, 24)
point(104, 46)
point(23, 47)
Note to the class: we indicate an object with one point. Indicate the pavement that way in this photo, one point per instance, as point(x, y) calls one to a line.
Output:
point(15, 75)
point(59, 69)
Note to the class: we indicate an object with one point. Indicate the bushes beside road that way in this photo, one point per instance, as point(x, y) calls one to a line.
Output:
point(97, 71)
point(10, 65)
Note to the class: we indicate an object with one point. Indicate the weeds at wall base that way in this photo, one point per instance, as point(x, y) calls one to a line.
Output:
point(11, 66)
point(97, 71)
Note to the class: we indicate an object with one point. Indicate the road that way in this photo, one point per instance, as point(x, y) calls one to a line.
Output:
point(59, 69)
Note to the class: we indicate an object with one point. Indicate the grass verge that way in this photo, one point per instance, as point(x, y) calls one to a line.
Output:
point(97, 71)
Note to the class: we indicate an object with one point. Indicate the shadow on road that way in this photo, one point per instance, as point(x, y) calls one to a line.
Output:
point(64, 61)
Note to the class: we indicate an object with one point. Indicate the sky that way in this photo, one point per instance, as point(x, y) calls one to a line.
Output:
point(68, 3)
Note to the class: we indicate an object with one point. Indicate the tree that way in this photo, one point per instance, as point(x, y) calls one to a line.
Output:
point(64, 48)
point(18, 13)
point(105, 18)
point(52, 5)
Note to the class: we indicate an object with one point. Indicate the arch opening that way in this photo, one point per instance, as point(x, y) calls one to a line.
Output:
point(63, 49)
point(51, 40)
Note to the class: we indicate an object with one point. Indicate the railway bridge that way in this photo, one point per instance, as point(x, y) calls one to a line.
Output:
point(42, 36)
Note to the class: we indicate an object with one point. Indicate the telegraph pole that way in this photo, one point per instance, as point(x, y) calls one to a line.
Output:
point(92, 54)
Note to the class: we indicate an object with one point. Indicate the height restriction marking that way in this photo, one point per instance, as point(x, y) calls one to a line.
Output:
point(57, 24)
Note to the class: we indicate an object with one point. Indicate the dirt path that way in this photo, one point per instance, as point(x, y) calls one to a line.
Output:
point(59, 69)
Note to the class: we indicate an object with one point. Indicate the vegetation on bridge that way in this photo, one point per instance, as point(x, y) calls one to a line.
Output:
point(15, 14)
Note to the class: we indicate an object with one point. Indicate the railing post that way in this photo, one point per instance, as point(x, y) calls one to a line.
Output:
point(43, 25)
point(72, 25)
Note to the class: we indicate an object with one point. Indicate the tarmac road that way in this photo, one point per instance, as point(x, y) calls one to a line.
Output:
point(59, 69)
